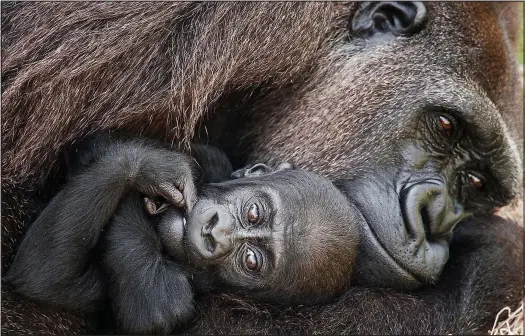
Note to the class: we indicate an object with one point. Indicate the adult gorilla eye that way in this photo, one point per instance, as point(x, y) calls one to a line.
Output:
point(446, 125)
point(253, 213)
point(251, 261)
point(475, 181)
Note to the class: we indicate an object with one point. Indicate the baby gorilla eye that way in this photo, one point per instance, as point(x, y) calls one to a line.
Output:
point(251, 261)
point(253, 213)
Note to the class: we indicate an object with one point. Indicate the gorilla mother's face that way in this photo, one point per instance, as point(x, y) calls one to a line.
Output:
point(412, 132)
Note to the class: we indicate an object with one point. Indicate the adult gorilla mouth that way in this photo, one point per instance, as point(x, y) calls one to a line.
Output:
point(404, 235)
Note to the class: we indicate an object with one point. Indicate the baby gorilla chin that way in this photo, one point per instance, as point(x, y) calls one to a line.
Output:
point(287, 235)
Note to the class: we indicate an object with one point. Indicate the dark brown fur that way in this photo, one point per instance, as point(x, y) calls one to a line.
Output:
point(168, 69)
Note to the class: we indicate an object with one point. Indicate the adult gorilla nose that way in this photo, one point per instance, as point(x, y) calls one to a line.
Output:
point(428, 208)
point(216, 232)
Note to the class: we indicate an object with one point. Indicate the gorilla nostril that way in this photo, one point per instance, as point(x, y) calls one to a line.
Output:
point(216, 233)
point(213, 221)
point(427, 209)
point(206, 229)
point(209, 243)
point(426, 220)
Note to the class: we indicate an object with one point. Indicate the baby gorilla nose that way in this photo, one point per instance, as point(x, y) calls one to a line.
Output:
point(216, 233)
point(427, 205)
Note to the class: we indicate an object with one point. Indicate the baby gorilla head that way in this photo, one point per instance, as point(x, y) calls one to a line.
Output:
point(286, 235)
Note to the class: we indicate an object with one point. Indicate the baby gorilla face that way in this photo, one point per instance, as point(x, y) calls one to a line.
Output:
point(287, 234)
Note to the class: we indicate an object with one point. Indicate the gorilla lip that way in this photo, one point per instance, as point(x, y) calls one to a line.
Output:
point(395, 240)
point(391, 260)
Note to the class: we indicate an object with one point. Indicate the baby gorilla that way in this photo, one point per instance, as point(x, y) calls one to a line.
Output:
point(285, 236)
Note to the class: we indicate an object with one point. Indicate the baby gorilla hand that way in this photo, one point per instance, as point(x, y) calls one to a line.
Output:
point(167, 174)
point(162, 302)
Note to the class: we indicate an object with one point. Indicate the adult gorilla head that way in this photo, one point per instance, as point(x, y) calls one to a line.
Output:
point(413, 104)
point(397, 102)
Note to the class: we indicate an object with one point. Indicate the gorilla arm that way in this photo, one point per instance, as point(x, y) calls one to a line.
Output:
point(485, 256)
point(149, 293)
point(53, 262)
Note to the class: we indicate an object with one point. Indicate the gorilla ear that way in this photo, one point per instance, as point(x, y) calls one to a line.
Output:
point(397, 18)
point(259, 169)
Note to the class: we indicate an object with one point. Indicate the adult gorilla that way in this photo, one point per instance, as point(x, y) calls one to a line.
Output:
point(402, 104)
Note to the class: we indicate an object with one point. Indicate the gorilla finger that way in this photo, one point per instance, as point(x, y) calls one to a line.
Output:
point(172, 194)
point(190, 194)
point(187, 187)
point(155, 206)
point(150, 206)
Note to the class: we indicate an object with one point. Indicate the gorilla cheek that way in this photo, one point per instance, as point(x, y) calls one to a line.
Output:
point(172, 231)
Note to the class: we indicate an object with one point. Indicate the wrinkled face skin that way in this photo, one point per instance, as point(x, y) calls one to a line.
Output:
point(417, 139)
point(287, 235)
